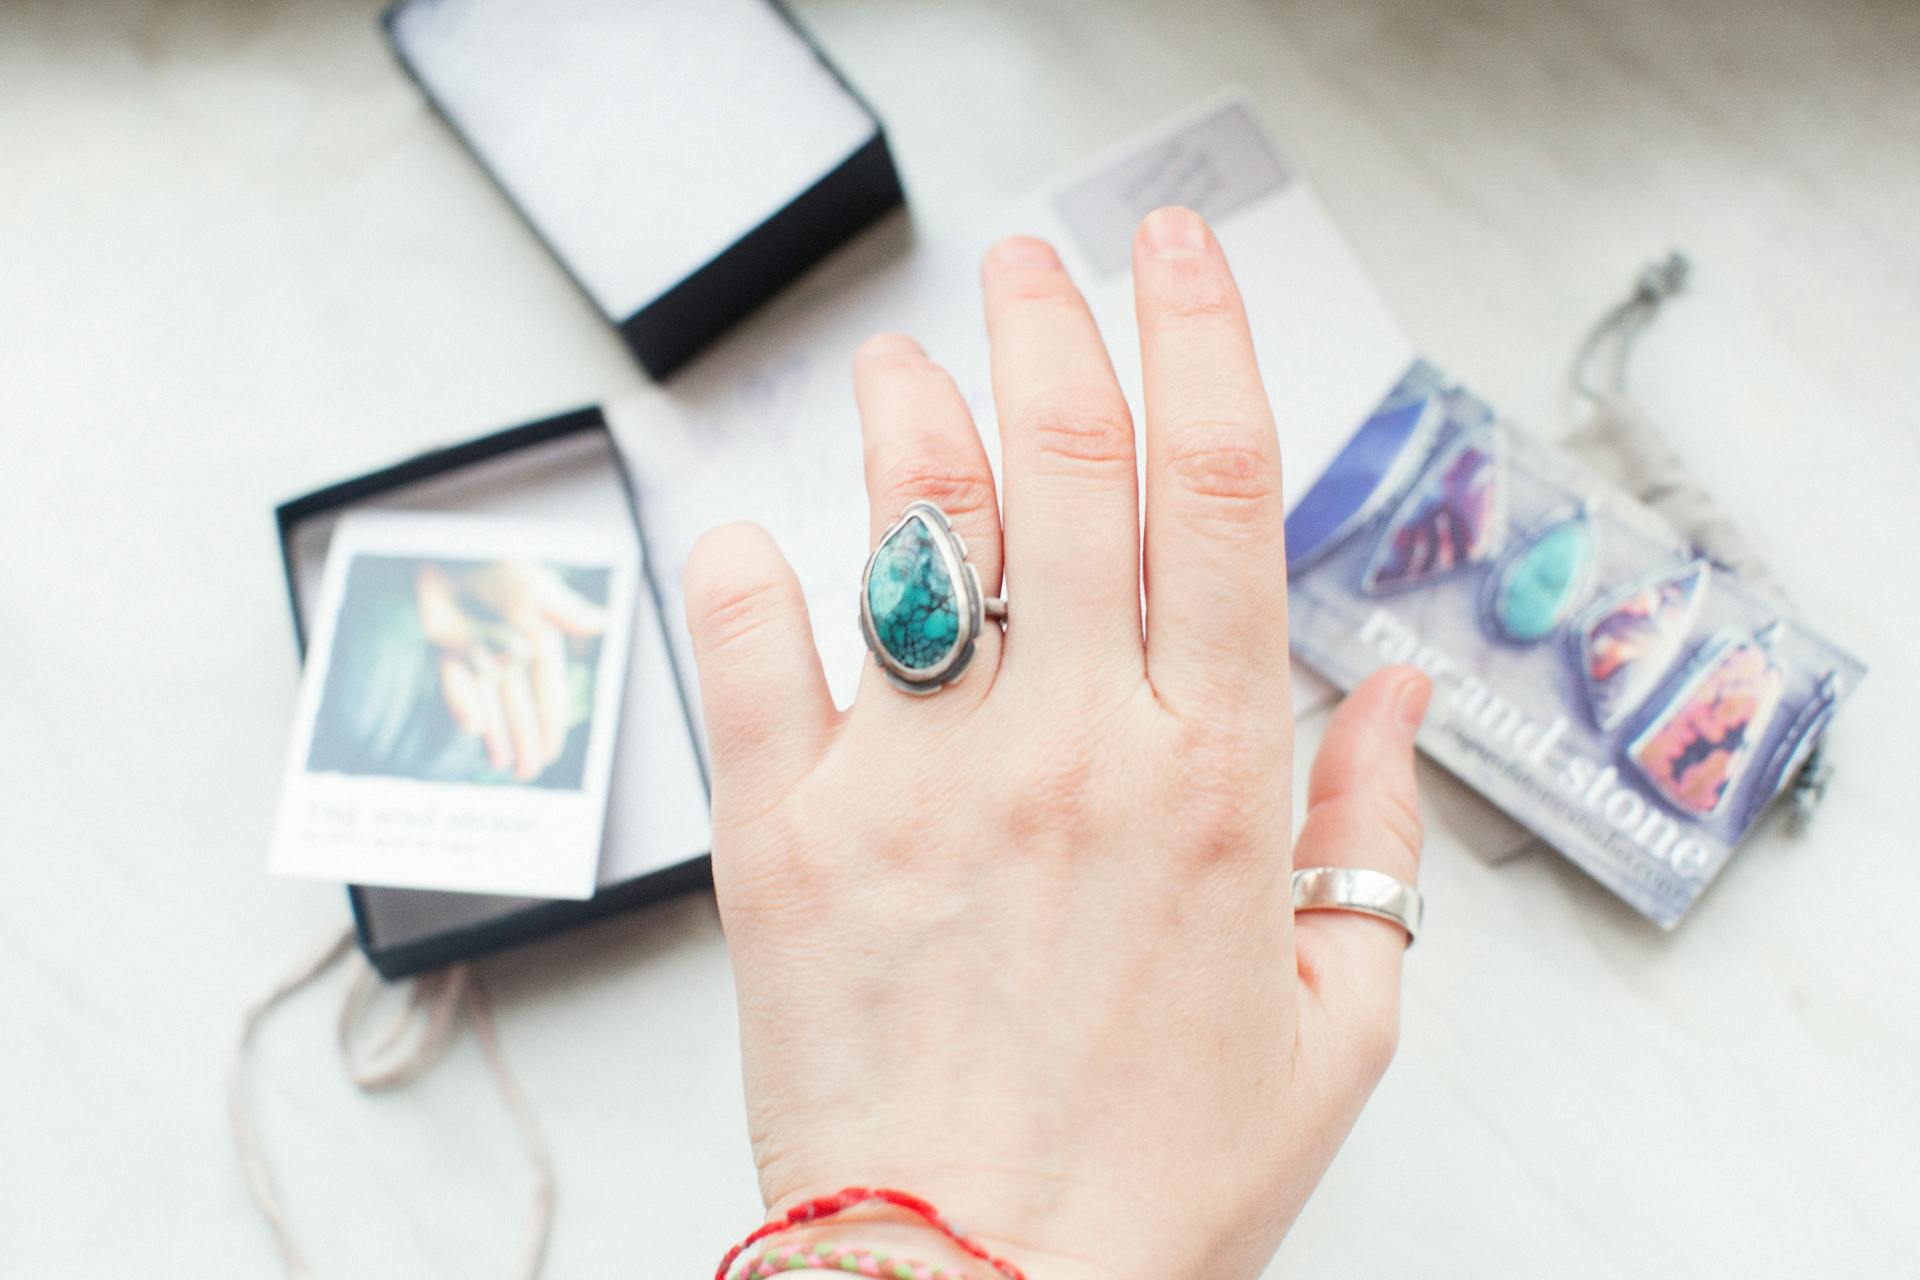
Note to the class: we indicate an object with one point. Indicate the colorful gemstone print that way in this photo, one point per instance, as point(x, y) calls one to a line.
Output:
point(911, 597)
point(1541, 581)
point(1695, 752)
point(1797, 744)
point(1454, 517)
point(1629, 641)
point(1366, 473)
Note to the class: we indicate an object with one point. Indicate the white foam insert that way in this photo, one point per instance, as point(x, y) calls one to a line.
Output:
point(641, 137)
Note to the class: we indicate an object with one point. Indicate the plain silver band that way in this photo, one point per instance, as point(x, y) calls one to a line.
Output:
point(1361, 891)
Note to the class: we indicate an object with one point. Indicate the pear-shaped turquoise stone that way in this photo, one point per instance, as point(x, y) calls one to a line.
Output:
point(1537, 589)
point(911, 598)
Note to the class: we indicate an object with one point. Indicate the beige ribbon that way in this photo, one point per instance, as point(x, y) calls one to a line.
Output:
point(393, 1058)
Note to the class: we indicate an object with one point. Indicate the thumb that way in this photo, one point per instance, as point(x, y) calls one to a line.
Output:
point(1363, 810)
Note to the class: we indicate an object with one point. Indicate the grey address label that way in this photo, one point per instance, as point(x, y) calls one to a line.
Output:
point(1214, 166)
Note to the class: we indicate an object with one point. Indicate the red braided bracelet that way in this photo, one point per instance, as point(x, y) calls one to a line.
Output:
point(852, 1197)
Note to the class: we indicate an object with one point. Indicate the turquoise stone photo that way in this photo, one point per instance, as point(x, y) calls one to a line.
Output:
point(912, 599)
point(1542, 582)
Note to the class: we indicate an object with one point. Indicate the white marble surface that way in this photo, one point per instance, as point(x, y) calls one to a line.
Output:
point(239, 258)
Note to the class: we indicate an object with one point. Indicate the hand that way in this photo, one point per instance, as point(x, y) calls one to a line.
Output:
point(1026, 947)
point(502, 632)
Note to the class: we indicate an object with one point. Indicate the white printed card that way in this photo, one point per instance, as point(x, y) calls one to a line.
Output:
point(459, 705)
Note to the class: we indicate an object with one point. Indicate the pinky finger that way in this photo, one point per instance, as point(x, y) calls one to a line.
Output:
point(492, 712)
point(762, 691)
point(523, 722)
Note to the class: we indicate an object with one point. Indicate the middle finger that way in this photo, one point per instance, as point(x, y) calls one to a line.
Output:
point(1070, 489)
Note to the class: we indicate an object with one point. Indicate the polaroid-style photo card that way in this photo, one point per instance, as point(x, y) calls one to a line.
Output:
point(459, 704)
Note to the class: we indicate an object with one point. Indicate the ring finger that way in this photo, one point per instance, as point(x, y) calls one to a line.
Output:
point(920, 445)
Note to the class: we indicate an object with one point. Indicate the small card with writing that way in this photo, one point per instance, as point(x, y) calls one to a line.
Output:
point(458, 709)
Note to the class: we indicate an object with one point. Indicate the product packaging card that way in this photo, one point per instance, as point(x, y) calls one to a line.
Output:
point(1633, 704)
point(458, 706)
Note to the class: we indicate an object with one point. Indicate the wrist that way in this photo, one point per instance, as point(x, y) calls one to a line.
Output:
point(898, 1249)
point(908, 1240)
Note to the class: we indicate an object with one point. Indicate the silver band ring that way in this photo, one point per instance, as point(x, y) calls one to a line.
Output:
point(1361, 891)
point(921, 607)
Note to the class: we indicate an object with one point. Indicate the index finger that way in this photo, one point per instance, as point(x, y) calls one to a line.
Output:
point(1216, 564)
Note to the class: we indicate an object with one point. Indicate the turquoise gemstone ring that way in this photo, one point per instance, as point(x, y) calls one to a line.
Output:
point(921, 607)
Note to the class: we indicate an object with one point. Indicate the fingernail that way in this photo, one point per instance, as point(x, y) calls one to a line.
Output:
point(1025, 252)
point(890, 344)
point(1174, 232)
point(1410, 704)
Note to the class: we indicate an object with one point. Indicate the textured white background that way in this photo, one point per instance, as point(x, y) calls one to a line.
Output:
point(238, 257)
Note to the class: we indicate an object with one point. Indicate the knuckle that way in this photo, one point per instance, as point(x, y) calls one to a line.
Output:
point(1222, 795)
point(1216, 835)
point(729, 616)
point(1044, 288)
point(1052, 805)
point(728, 603)
point(1404, 826)
point(1199, 292)
point(1083, 430)
point(767, 872)
point(958, 490)
point(1231, 465)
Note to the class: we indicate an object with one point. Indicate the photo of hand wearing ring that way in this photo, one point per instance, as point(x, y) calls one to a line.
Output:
point(462, 671)
point(1016, 932)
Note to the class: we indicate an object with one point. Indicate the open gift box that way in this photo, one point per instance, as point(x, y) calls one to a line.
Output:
point(657, 833)
point(682, 160)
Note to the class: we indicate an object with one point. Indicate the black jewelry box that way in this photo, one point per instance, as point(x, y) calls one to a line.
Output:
point(656, 837)
point(681, 159)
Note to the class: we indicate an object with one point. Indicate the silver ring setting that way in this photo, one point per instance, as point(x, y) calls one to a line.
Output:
point(921, 606)
point(1361, 891)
